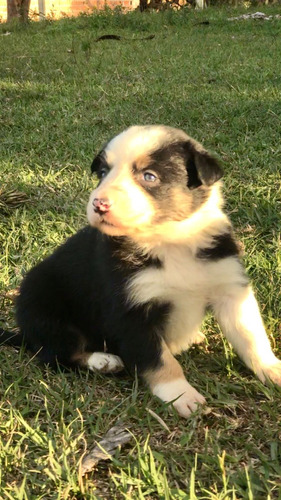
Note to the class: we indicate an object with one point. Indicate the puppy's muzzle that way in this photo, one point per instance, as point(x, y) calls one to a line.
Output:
point(102, 205)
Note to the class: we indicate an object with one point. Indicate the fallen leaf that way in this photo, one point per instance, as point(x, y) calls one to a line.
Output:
point(104, 449)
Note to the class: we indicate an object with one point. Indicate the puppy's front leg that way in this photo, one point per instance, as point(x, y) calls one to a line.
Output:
point(168, 382)
point(238, 314)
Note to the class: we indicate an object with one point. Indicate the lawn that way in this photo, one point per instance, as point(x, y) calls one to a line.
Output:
point(62, 96)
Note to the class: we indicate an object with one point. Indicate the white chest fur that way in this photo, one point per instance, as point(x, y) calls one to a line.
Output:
point(189, 285)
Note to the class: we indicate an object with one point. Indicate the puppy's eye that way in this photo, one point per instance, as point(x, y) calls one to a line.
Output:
point(149, 176)
point(102, 172)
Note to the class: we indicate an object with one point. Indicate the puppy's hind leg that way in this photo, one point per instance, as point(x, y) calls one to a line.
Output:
point(238, 314)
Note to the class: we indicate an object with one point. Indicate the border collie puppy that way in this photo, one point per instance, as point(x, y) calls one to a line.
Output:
point(158, 251)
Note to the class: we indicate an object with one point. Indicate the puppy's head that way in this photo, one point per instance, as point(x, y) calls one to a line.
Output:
point(150, 176)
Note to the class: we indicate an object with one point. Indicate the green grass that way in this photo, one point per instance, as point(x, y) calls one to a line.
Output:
point(62, 96)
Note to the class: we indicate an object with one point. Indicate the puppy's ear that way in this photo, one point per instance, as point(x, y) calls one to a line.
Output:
point(202, 168)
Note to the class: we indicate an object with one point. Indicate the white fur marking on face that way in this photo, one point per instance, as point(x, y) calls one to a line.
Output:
point(186, 397)
point(134, 141)
point(105, 363)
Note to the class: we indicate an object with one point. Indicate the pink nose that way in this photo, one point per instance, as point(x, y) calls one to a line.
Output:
point(102, 204)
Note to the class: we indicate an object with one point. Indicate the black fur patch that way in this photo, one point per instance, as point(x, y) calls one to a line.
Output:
point(131, 255)
point(100, 165)
point(200, 166)
point(224, 246)
point(169, 163)
point(76, 299)
point(192, 174)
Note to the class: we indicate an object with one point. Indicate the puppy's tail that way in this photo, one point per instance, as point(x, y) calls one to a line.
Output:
point(11, 338)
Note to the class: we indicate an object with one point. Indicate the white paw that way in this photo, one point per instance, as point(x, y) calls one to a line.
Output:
point(184, 397)
point(271, 372)
point(105, 363)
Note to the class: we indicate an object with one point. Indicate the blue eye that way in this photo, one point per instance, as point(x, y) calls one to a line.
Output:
point(149, 177)
point(102, 173)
